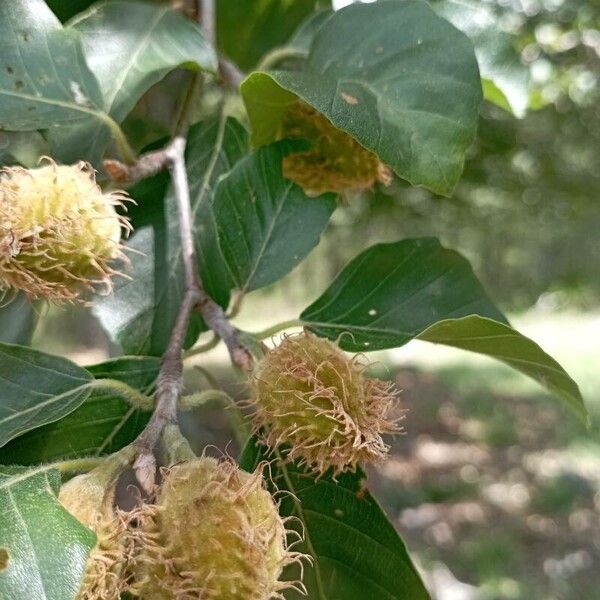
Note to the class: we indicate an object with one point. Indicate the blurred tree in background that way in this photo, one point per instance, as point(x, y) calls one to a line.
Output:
point(526, 211)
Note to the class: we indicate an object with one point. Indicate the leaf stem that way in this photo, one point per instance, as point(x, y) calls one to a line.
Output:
point(277, 55)
point(236, 305)
point(204, 398)
point(177, 447)
point(127, 152)
point(133, 396)
point(77, 465)
point(218, 394)
point(210, 378)
point(239, 424)
point(191, 95)
point(274, 329)
point(212, 343)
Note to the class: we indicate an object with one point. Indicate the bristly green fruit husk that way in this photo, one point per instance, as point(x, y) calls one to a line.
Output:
point(311, 398)
point(213, 534)
point(90, 499)
point(59, 233)
point(335, 162)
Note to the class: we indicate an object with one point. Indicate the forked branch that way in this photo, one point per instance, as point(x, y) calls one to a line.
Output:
point(170, 378)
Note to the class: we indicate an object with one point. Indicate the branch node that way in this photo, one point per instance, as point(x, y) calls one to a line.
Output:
point(145, 166)
point(242, 358)
point(145, 471)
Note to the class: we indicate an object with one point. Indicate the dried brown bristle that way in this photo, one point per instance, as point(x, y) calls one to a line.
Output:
point(214, 534)
point(59, 233)
point(311, 397)
point(90, 501)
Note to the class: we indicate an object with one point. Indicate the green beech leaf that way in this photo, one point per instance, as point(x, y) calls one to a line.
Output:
point(502, 342)
point(356, 552)
point(140, 314)
point(505, 78)
point(388, 89)
point(390, 293)
point(37, 388)
point(393, 293)
point(130, 46)
point(17, 321)
point(67, 9)
point(45, 548)
point(44, 79)
point(247, 30)
point(266, 224)
point(104, 423)
point(303, 37)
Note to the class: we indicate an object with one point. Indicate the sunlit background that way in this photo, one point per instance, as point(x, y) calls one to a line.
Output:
point(494, 486)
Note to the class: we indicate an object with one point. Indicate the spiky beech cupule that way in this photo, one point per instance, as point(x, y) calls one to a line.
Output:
point(90, 499)
point(313, 399)
point(59, 233)
point(335, 162)
point(214, 534)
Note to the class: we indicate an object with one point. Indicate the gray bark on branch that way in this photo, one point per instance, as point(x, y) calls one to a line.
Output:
point(170, 377)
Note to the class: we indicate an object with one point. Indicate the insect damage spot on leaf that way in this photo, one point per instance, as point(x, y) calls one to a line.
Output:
point(349, 99)
point(4, 557)
point(78, 95)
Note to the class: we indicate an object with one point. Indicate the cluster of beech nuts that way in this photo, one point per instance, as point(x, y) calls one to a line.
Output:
point(212, 531)
point(60, 234)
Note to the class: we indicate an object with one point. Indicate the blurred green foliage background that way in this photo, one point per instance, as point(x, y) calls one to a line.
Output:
point(527, 210)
